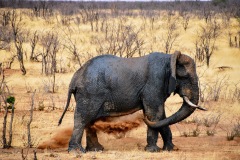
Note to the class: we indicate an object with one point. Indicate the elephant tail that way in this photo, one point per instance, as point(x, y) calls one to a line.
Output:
point(65, 110)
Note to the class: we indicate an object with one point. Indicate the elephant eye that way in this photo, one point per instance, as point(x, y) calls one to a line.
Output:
point(183, 76)
point(181, 72)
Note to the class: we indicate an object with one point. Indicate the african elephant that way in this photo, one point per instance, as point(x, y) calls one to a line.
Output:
point(112, 86)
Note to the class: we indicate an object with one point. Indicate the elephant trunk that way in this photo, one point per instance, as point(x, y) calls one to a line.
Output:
point(187, 108)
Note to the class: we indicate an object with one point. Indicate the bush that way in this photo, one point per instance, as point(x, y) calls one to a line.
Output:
point(11, 100)
point(41, 106)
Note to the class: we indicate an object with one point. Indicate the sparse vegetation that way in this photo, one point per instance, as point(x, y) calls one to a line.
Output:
point(8, 104)
point(233, 130)
point(170, 37)
point(195, 132)
point(206, 39)
point(236, 128)
point(41, 105)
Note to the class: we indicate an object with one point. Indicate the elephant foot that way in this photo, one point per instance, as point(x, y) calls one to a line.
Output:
point(96, 148)
point(154, 148)
point(170, 147)
point(74, 148)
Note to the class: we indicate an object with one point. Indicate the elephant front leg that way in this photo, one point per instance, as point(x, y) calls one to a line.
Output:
point(167, 138)
point(152, 137)
point(92, 140)
point(152, 134)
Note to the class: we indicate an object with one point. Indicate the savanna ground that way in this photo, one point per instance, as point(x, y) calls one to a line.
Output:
point(84, 30)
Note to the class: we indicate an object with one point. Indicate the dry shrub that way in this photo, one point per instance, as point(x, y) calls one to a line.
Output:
point(236, 128)
point(232, 129)
point(193, 132)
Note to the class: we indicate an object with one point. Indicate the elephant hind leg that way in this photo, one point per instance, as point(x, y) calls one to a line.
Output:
point(76, 139)
point(85, 113)
point(92, 140)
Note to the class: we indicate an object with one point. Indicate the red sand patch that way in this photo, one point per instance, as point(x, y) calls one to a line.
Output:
point(112, 125)
point(59, 140)
point(115, 125)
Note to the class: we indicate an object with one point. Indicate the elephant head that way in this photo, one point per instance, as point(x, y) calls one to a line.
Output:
point(184, 81)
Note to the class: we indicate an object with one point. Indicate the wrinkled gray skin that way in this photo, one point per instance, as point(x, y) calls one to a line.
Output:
point(111, 86)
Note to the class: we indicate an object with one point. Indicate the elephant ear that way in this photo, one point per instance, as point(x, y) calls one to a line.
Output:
point(172, 80)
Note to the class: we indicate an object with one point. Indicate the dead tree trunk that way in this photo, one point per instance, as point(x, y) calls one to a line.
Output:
point(30, 121)
point(33, 41)
point(5, 128)
point(10, 128)
point(3, 96)
point(35, 155)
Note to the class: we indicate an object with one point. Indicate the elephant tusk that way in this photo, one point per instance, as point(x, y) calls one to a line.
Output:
point(193, 105)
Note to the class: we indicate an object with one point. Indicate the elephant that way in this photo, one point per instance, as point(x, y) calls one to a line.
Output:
point(108, 85)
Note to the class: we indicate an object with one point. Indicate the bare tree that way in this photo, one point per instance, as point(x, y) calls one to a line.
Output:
point(90, 13)
point(5, 21)
point(230, 38)
point(51, 45)
point(206, 41)
point(44, 6)
point(5, 38)
point(5, 30)
point(36, 10)
point(8, 63)
point(71, 46)
point(16, 23)
point(185, 20)
point(226, 14)
point(169, 38)
point(234, 39)
point(207, 13)
point(122, 40)
point(33, 42)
